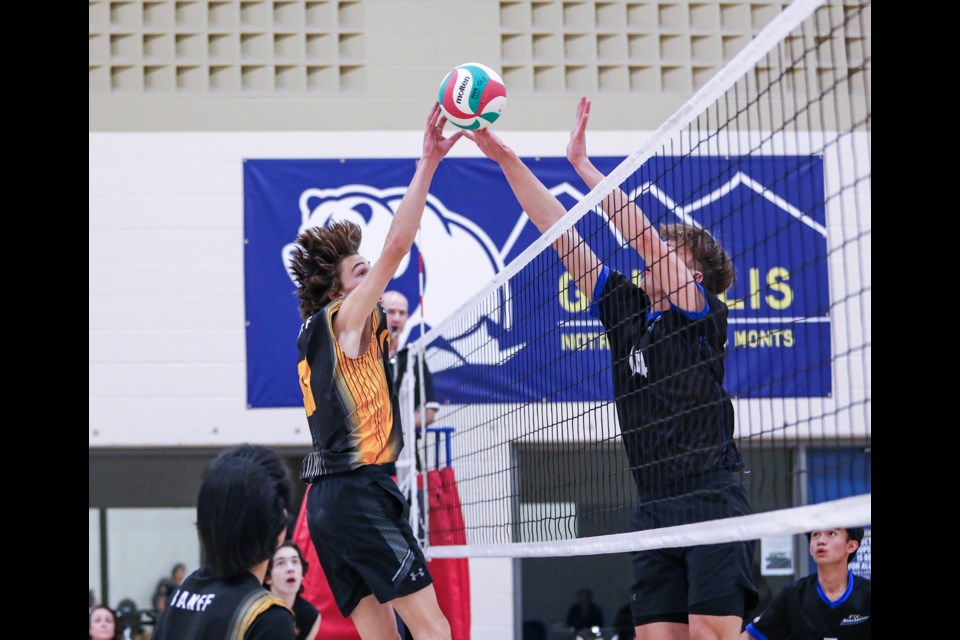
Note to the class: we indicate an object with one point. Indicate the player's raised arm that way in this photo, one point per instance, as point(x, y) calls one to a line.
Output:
point(543, 209)
point(665, 264)
point(352, 319)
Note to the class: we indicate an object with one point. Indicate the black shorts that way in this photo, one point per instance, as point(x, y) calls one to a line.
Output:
point(715, 579)
point(359, 525)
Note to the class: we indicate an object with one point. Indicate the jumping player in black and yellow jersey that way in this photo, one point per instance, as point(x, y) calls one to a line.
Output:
point(357, 517)
point(241, 518)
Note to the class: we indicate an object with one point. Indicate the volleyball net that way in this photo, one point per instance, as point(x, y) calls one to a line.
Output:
point(772, 156)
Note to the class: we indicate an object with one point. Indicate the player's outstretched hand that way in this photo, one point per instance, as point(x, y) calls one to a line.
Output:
point(435, 145)
point(577, 147)
point(490, 144)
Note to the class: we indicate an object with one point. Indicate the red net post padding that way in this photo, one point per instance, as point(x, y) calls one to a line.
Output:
point(333, 626)
point(451, 576)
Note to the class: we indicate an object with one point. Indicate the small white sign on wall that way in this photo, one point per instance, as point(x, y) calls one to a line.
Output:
point(776, 556)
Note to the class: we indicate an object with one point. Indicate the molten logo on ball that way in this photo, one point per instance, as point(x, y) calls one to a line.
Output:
point(472, 96)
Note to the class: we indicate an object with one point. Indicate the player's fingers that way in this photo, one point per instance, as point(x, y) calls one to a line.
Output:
point(432, 118)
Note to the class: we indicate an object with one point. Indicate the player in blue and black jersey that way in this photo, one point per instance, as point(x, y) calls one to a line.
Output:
point(832, 603)
point(667, 338)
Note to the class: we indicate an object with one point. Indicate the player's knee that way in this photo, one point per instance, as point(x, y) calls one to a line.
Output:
point(714, 627)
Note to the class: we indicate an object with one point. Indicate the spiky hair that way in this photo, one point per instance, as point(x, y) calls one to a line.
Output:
point(316, 262)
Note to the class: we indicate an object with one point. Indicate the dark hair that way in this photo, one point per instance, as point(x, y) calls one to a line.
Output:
point(315, 264)
point(113, 614)
point(242, 509)
point(303, 562)
point(128, 616)
point(706, 252)
point(160, 594)
point(853, 533)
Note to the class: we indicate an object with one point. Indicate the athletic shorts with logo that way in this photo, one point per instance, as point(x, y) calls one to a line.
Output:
point(359, 525)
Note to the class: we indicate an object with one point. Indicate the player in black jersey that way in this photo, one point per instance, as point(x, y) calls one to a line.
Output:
point(667, 340)
point(833, 604)
point(357, 517)
point(241, 519)
point(397, 308)
point(284, 579)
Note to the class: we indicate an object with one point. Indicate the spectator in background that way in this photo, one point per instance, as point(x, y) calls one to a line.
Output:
point(177, 574)
point(623, 624)
point(128, 621)
point(284, 579)
point(168, 585)
point(241, 520)
point(833, 603)
point(158, 602)
point(103, 624)
point(584, 613)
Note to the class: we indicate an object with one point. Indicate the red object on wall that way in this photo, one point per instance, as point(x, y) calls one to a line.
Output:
point(451, 576)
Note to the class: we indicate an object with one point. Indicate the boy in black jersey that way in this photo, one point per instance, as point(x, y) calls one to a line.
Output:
point(833, 604)
point(357, 517)
point(241, 519)
point(667, 342)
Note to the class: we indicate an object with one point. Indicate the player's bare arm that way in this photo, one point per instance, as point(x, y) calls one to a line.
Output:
point(665, 265)
point(352, 326)
point(543, 209)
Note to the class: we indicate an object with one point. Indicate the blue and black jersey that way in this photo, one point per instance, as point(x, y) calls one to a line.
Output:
point(675, 416)
point(802, 611)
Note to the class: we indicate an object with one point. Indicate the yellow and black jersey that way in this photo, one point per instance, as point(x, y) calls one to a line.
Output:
point(351, 403)
point(234, 608)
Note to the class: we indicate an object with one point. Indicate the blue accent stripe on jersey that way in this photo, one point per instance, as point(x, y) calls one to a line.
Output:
point(841, 599)
point(753, 632)
point(594, 310)
point(695, 315)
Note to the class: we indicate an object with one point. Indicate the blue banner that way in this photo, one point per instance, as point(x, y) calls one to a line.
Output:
point(767, 212)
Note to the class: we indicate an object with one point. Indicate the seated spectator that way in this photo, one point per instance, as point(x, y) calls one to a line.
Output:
point(103, 624)
point(584, 613)
point(129, 622)
point(285, 580)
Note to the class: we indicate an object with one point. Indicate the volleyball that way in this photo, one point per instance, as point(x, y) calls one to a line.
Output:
point(472, 96)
